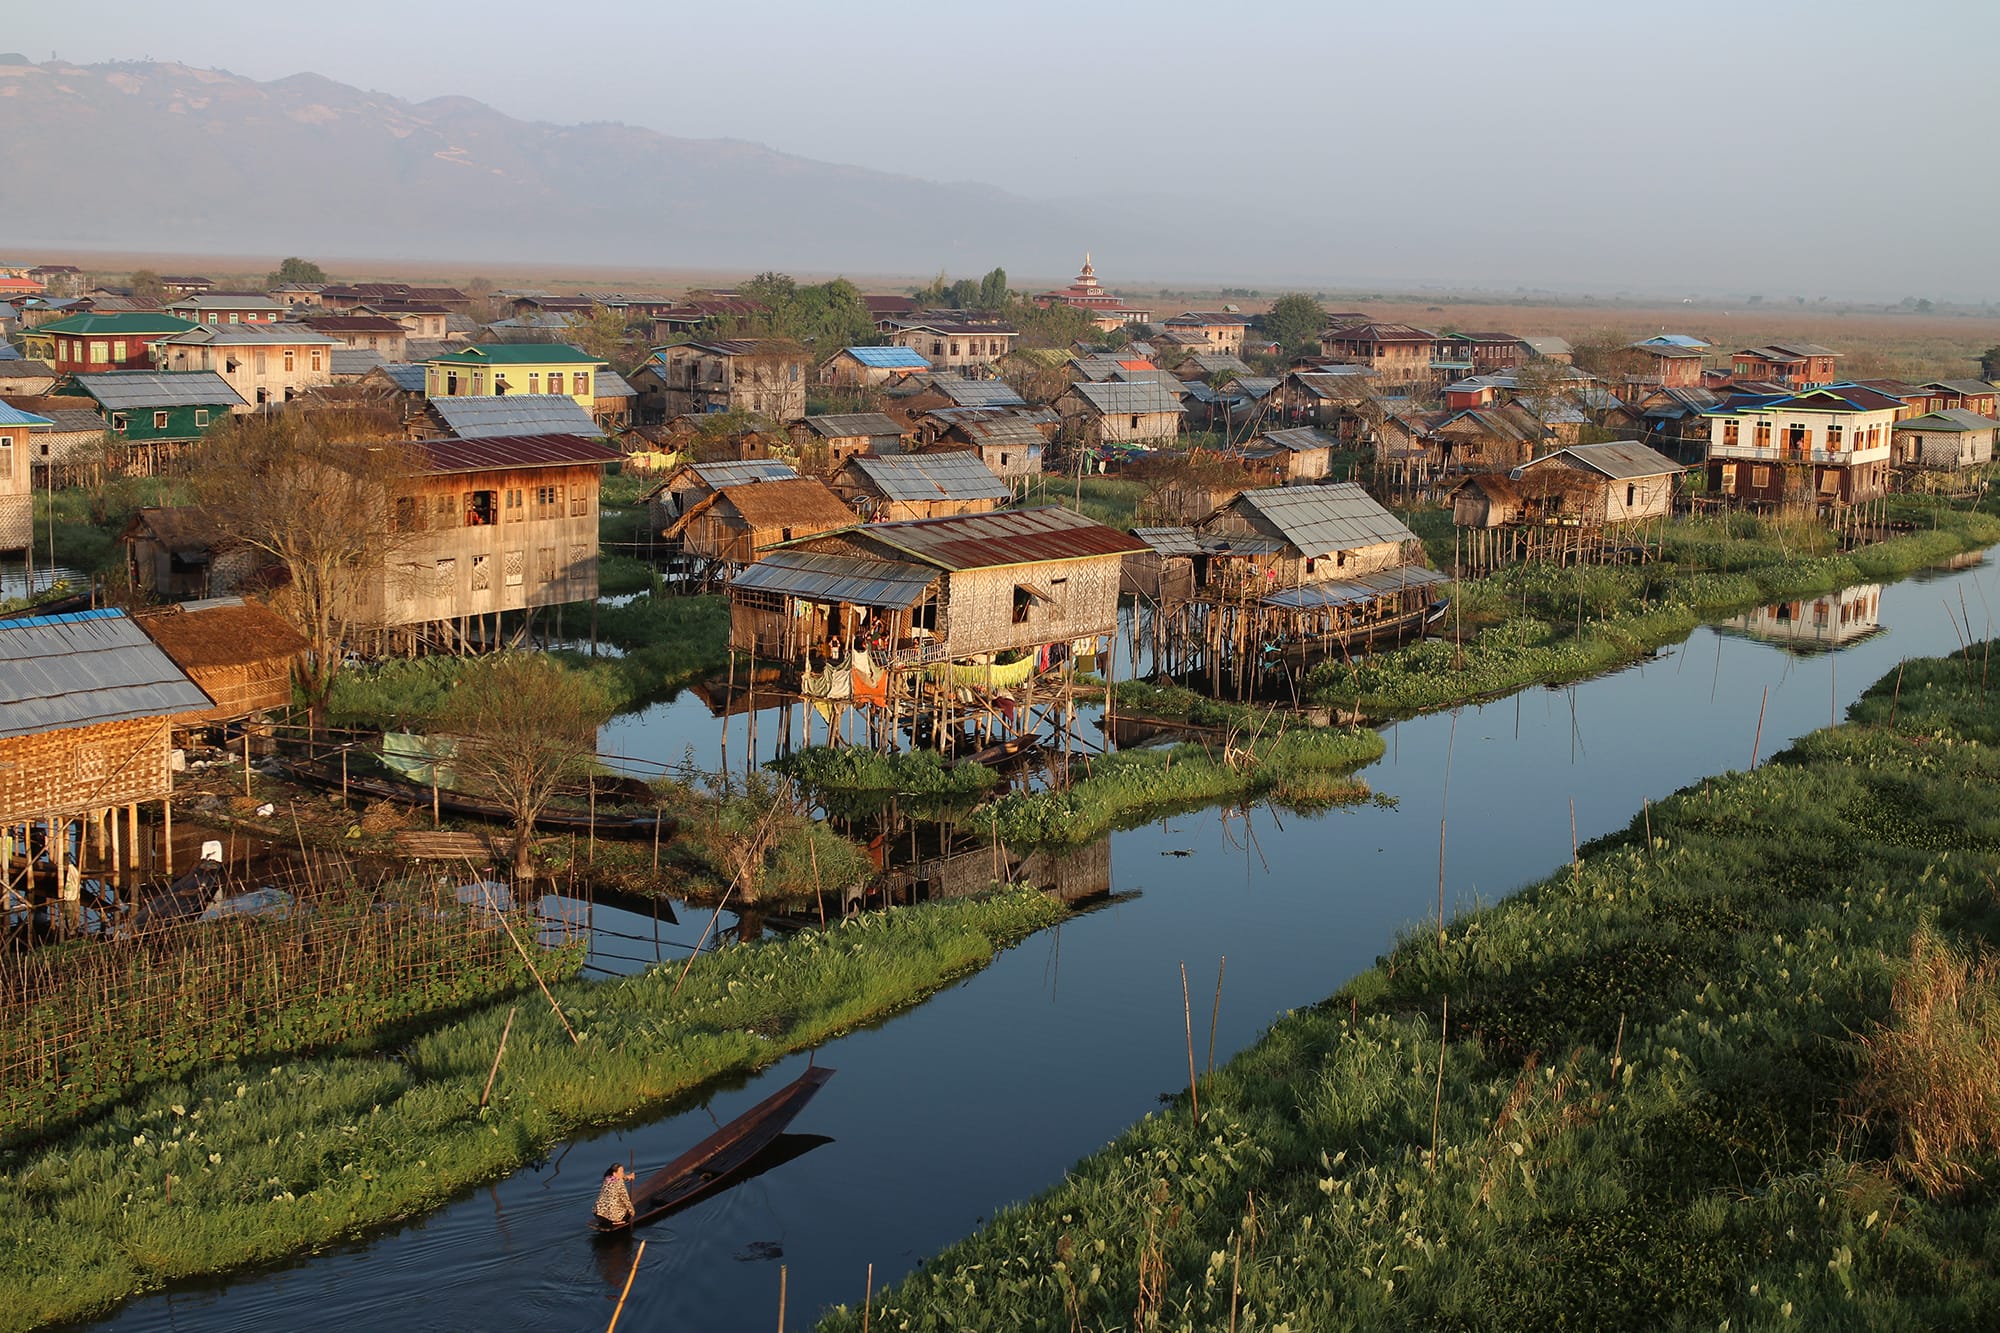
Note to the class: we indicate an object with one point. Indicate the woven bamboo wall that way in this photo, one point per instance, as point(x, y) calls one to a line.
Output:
point(81, 769)
point(979, 605)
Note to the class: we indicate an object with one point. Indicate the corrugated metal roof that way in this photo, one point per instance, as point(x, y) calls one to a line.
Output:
point(519, 354)
point(1300, 439)
point(1254, 386)
point(354, 360)
point(995, 432)
point(127, 323)
point(14, 416)
point(123, 390)
point(86, 668)
point(608, 383)
point(954, 476)
point(888, 358)
point(471, 417)
point(259, 335)
point(1192, 541)
point(736, 471)
point(1136, 396)
point(1963, 388)
point(1003, 537)
point(840, 425)
point(1949, 419)
point(1219, 363)
point(814, 576)
point(979, 393)
point(1366, 588)
point(406, 375)
point(1620, 460)
point(488, 453)
point(1319, 520)
point(1170, 541)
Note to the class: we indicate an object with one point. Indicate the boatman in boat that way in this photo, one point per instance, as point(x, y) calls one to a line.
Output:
point(614, 1201)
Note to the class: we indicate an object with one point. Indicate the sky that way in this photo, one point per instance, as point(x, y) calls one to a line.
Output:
point(1775, 146)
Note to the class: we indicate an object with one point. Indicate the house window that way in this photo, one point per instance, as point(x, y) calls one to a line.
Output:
point(289, 354)
point(409, 514)
point(6, 458)
point(1797, 436)
point(1763, 437)
point(118, 422)
point(1760, 477)
point(444, 515)
point(445, 578)
point(549, 571)
point(1631, 494)
point(482, 573)
point(481, 508)
point(159, 421)
point(451, 384)
point(118, 350)
point(1135, 423)
point(1729, 434)
point(515, 568)
point(201, 416)
point(535, 381)
point(515, 508)
point(579, 503)
point(1833, 434)
point(97, 350)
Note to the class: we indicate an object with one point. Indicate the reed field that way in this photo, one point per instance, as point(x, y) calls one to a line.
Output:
point(1546, 624)
point(82, 1025)
point(1735, 1067)
point(250, 1161)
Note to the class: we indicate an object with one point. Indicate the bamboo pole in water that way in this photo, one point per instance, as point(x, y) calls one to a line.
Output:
point(613, 1325)
point(1757, 742)
point(487, 1091)
point(1187, 1014)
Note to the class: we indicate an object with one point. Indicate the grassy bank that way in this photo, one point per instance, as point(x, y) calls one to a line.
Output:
point(270, 1160)
point(1295, 766)
point(1729, 1070)
point(1540, 624)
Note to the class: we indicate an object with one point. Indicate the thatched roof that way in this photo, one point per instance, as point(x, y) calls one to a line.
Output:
point(800, 503)
point(223, 632)
point(179, 528)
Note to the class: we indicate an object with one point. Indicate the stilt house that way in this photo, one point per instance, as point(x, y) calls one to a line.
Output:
point(825, 442)
point(87, 704)
point(914, 486)
point(729, 527)
point(691, 483)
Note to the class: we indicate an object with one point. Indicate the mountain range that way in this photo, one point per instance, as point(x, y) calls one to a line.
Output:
point(164, 157)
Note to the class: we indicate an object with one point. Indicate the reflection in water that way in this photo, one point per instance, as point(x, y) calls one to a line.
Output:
point(1816, 624)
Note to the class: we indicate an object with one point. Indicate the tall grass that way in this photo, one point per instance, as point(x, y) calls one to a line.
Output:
point(270, 1159)
point(1651, 1103)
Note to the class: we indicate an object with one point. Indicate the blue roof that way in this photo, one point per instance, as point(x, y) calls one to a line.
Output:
point(889, 358)
point(8, 352)
point(14, 416)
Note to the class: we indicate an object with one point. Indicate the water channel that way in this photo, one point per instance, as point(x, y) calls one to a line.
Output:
point(991, 1090)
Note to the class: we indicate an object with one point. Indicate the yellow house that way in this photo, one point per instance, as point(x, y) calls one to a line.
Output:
point(501, 368)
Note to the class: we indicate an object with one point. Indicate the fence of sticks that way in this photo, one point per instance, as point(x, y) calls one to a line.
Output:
point(350, 953)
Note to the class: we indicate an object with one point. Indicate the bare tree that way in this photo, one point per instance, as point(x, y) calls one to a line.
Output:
point(312, 491)
point(524, 725)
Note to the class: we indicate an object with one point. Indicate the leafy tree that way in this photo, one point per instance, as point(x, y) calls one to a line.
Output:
point(824, 316)
point(524, 725)
point(1295, 320)
point(1989, 364)
point(610, 335)
point(993, 290)
point(294, 269)
point(146, 283)
point(311, 491)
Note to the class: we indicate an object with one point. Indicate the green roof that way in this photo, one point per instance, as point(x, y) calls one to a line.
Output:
point(126, 322)
point(518, 354)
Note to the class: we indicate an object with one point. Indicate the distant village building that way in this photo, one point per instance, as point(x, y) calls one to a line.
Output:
point(1826, 445)
point(729, 528)
point(154, 407)
point(499, 369)
point(239, 653)
point(87, 343)
point(229, 308)
point(1218, 331)
point(1796, 365)
point(173, 553)
point(265, 364)
point(1946, 440)
point(954, 340)
point(1818, 625)
point(17, 495)
point(825, 442)
point(1088, 295)
point(499, 415)
point(374, 333)
point(866, 367)
point(1398, 355)
point(1120, 411)
point(765, 375)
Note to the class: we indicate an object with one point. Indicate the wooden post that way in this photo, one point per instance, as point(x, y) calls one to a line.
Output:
point(167, 833)
point(620, 1309)
point(246, 760)
point(487, 1091)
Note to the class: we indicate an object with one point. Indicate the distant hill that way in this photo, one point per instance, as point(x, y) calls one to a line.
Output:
point(155, 156)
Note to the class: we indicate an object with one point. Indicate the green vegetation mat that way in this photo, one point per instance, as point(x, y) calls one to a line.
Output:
point(1730, 1070)
point(274, 1159)
point(1542, 624)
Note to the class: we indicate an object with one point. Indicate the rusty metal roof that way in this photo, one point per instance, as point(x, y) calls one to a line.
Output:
point(494, 453)
point(1003, 537)
point(817, 576)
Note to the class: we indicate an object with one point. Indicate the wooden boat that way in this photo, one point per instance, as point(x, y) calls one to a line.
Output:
point(719, 1160)
point(323, 775)
point(1002, 751)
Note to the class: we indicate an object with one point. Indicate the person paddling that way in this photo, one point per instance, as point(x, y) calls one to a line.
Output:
point(614, 1201)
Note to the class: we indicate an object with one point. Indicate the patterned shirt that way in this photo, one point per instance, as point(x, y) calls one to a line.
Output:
point(614, 1203)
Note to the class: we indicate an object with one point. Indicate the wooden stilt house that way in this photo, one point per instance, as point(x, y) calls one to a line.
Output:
point(727, 529)
point(87, 704)
point(240, 653)
point(917, 486)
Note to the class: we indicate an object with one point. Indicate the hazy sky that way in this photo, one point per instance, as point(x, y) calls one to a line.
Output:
point(1772, 145)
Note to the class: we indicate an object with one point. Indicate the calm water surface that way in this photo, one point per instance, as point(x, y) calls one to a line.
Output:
point(988, 1092)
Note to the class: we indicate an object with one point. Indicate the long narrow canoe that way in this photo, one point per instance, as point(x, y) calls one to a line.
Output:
point(718, 1160)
